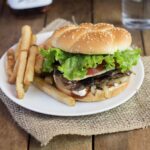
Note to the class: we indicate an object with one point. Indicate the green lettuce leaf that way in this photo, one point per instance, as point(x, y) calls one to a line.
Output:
point(91, 61)
point(75, 66)
point(72, 68)
point(51, 56)
point(110, 62)
point(126, 59)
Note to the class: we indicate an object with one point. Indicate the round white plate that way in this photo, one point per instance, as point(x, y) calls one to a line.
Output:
point(38, 101)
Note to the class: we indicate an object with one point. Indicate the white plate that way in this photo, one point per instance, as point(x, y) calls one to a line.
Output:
point(38, 101)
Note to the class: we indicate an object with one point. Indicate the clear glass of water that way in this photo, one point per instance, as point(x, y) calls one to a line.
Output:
point(136, 13)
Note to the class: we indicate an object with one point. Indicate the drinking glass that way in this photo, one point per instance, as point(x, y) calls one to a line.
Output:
point(136, 13)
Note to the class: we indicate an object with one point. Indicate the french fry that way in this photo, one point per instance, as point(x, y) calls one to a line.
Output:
point(52, 91)
point(18, 49)
point(29, 73)
point(20, 74)
point(25, 41)
point(49, 80)
point(10, 62)
point(33, 40)
point(25, 38)
point(38, 63)
point(13, 76)
point(24, 48)
point(23, 44)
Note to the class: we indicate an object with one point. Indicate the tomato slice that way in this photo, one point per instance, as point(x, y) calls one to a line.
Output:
point(92, 71)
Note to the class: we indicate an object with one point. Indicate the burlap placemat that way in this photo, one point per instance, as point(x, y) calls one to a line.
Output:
point(133, 114)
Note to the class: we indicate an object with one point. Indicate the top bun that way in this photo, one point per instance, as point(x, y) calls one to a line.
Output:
point(88, 38)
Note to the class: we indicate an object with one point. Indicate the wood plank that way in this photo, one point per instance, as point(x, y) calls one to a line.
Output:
point(81, 10)
point(68, 142)
point(139, 139)
point(146, 39)
point(1, 6)
point(132, 140)
point(137, 39)
point(111, 141)
point(107, 11)
point(11, 136)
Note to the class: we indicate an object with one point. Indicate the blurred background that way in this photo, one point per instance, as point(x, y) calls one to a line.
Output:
point(132, 14)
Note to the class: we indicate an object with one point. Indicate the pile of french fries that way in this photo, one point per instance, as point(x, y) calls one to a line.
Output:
point(24, 65)
point(20, 62)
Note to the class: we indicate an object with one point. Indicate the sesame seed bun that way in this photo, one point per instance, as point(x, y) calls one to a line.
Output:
point(88, 38)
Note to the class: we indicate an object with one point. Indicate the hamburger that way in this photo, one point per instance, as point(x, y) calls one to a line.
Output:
point(90, 62)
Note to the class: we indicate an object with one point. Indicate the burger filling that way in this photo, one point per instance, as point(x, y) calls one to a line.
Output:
point(77, 74)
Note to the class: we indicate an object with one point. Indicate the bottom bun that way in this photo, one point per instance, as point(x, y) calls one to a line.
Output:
point(102, 95)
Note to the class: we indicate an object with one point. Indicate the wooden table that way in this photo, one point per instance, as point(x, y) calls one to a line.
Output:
point(14, 138)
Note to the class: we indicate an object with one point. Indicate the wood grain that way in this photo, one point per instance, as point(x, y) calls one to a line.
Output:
point(116, 141)
point(80, 9)
point(68, 142)
point(107, 11)
point(11, 23)
point(12, 137)
point(146, 40)
point(132, 140)
point(1, 6)
point(139, 139)
point(137, 39)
